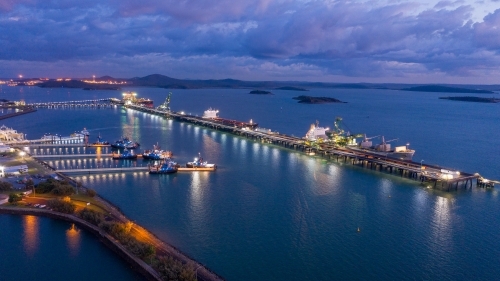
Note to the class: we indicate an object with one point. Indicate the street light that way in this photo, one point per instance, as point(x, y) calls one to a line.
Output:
point(421, 164)
point(22, 153)
point(1, 168)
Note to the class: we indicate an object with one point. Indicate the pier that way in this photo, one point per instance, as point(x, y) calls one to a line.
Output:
point(96, 103)
point(432, 176)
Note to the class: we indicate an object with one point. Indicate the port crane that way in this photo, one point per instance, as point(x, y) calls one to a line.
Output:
point(165, 106)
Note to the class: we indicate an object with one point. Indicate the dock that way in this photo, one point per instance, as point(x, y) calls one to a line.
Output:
point(429, 175)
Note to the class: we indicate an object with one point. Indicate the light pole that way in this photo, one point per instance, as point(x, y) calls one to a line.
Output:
point(2, 174)
point(22, 153)
point(421, 164)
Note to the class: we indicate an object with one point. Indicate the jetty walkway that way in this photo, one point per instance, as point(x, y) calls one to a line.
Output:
point(432, 175)
point(95, 103)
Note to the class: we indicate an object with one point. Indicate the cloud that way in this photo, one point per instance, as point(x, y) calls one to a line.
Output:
point(259, 38)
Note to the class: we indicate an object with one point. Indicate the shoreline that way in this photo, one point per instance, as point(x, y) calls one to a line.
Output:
point(162, 248)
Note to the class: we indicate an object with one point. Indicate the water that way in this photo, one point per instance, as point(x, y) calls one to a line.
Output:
point(269, 213)
point(37, 248)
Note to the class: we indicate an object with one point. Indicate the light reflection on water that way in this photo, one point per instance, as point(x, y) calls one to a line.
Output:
point(73, 240)
point(31, 239)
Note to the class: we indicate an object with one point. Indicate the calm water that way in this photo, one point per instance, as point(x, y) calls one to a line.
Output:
point(37, 248)
point(273, 214)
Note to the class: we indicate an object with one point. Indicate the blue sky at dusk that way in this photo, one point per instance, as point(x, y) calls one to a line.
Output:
point(329, 41)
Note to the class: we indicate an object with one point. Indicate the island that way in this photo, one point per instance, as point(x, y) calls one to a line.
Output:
point(444, 89)
point(472, 99)
point(316, 100)
point(260, 92)
point(290, 88)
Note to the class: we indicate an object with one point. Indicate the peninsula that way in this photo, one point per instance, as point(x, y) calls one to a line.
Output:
point(290, 88)
point(316, 100)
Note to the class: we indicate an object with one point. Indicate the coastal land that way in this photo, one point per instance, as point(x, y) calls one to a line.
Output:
point(162, 81)
point(41, 191)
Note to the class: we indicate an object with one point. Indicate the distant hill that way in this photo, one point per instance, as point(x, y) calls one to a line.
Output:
point(445, 89)
point(290, 88)
point(77, 84)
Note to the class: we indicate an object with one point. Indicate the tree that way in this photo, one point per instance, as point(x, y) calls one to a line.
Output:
point(91, 192)
point(4, 186)
point(29, 183)
point(13, 198)
point(61, 206)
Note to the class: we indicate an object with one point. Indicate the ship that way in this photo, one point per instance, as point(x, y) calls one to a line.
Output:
point(167, 167)
point(199, 163)
point(99, 142)
point(81, 136)
point(156, 154)
point(126, 155)
point(213, 115)
point(125, 143)
point(383, 149)
point(131, 98)
point(316, 133)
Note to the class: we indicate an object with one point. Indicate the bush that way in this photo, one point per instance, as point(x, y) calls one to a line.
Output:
point(61, 206)
point(170, 269)
point(116, 229)
point(4, 186)
point(13, 198)
point(91, 216)
point(91, 192)
point(63, 189)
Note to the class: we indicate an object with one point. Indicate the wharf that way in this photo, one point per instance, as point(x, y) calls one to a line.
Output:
point(430, 175)
point(71, 155)
point(124, 169)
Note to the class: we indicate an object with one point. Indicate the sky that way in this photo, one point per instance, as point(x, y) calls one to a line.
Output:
point(385, 41)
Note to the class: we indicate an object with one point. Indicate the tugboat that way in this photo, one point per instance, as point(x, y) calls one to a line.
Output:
point(198, 163)
point(126, 155)
point(99, 142)
point(156, 154)
point(125, 143)
point(167, 167)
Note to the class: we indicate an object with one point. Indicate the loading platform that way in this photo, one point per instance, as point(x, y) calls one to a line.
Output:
point(430, 175)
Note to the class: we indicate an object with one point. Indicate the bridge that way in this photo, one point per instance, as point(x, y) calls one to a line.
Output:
point(95, 103)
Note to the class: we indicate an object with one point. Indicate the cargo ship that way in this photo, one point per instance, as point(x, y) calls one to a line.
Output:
point(383, 149)
point(213, 115)
point(131, 98)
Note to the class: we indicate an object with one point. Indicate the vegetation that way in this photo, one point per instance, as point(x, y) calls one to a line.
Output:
point(14, 197)
point(61, 206)
point(91, 192)
point(121, 231)
point(171, 269)
point(91, 216)
point(4, 186)
point(29, 183)
point(55, 187)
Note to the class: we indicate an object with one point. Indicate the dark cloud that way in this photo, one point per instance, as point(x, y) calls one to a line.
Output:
point(245, 38)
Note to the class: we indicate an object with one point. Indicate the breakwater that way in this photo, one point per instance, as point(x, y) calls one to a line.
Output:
point(431, 175)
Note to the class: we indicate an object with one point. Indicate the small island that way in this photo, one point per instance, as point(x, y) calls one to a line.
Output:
point(472, 99)
point(316, 100)
point(260, 92)
point(444, 89)
point(290, 88)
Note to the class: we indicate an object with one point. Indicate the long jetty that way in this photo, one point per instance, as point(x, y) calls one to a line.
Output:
point(431, 175)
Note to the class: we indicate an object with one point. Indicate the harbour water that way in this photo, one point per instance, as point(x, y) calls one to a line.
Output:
point(270, 213)
point(37, 248)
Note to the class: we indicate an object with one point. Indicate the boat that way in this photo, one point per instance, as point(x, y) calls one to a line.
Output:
point(125, 143)
point(316, 133)
point(126, 155)
point(199, 163)
point(99, 142)
point(81, 136)
point(167, 167)
point(156, 154)
point(211, 113)
point(383, 149)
